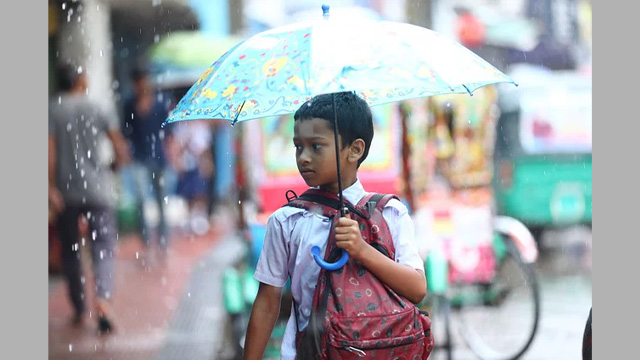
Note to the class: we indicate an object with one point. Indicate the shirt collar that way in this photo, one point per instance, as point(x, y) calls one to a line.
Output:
point(354, 193)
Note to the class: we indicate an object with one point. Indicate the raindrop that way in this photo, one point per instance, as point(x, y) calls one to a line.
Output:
point(89, 154)
point(75, 247)
point(85, 184)
point(82, 173)
point(101, 53)
point(137, 255)
point(94, 234)
point(156, 38)
point(79, 18)
point(70, 347)
point(83, 279)
point(79, 69)
point(189, 294)
point(239, 202)
point(64, 6)
point(59, 100)
point(83, 242)
point(97, 7)
point(101, 254)
point(163, 281)
point(68, 126)
point(166, 199)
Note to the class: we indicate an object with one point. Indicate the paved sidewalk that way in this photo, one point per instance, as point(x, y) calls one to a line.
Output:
point(154, 305)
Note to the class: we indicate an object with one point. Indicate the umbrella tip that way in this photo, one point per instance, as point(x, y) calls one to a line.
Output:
point(325, 10)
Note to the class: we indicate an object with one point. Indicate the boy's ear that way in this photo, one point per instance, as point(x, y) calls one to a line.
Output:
point(356, 150)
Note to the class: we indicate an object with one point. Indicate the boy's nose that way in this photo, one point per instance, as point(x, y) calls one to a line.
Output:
point(304, 158)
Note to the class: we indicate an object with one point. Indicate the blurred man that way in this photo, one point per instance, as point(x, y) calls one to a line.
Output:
point(80, 185)
point(144, 114)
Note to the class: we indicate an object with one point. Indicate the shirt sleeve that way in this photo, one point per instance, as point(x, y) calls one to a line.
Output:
point(108, 118)
point(272, 266)
point(403, 234)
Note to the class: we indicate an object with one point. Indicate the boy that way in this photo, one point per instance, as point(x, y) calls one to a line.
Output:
point(291, 232)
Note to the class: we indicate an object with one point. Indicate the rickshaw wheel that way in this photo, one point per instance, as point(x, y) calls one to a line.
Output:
point(501, 323)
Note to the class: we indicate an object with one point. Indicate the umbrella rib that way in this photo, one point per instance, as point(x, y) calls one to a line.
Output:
point(235, 120)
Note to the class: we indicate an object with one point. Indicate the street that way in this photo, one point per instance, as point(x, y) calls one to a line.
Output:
point(185, 316)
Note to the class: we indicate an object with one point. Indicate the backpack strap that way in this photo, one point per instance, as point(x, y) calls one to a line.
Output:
point(371, 201)
point(375, 202)
point(327, 200)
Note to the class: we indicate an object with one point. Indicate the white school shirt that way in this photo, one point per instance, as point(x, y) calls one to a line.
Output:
point(290, 234)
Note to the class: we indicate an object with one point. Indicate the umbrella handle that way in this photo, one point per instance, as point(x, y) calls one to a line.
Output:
point(315, 252)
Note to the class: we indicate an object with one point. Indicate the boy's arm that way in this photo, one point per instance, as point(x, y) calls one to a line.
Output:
point(265, 312)
point(404, 280)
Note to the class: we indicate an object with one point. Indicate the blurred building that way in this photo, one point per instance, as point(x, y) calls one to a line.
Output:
point(107, 37)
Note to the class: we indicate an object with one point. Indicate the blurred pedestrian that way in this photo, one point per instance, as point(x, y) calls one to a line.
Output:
point(144, 113)
point(196, 168)
point(81, 185)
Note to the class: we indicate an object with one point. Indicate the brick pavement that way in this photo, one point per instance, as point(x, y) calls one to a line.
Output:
point(145, 301)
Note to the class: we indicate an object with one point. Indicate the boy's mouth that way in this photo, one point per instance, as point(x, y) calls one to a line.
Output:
point(304, 172)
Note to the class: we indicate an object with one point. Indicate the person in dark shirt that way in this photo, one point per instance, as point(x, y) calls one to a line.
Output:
point(144, 114)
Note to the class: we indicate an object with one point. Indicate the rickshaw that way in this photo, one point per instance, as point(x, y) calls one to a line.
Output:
point(482, 287)
point(543, 149)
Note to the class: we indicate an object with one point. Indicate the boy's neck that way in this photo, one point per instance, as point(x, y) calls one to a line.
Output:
point(346, 183)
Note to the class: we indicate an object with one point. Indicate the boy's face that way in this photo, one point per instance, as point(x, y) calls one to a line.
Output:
point(315, 152)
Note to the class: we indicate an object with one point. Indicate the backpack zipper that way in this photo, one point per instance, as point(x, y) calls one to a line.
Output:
point(359, 352)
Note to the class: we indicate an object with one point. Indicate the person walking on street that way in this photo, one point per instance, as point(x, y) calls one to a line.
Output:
point(144, 114)
point(80, 185)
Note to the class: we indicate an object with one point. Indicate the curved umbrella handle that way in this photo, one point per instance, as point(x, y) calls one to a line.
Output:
point(315, 252)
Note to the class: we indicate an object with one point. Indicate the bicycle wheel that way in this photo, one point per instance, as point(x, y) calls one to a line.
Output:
point(498, 321)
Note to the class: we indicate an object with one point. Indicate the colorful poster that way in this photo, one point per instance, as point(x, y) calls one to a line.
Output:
point(279, 152)
point(274, 165)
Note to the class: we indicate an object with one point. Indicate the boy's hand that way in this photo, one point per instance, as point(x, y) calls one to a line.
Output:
point(348, 237)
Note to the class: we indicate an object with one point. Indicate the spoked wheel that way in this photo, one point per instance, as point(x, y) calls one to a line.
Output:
point(498, 321)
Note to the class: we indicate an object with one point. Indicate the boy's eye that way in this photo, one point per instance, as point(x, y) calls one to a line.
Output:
point(316, 146)
point(298, 147)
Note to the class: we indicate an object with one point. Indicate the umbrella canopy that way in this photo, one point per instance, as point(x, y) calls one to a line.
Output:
point(274, 72)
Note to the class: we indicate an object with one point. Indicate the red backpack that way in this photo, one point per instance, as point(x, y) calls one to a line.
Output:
point(355, 315)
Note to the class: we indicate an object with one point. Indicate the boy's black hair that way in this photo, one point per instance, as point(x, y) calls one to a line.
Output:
point(67, 75)
point(355, 120)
